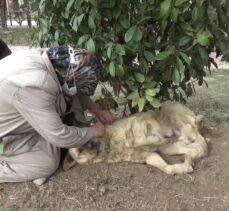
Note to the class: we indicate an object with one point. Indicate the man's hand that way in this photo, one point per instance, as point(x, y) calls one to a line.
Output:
point(105, 116)
point(98, 130)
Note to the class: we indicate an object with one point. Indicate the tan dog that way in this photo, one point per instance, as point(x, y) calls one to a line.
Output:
point(139, 138)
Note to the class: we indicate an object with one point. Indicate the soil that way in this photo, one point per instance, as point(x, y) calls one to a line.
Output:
point(129, 186)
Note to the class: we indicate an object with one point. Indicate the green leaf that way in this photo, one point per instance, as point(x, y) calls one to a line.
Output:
point(125, 23)
point(155, 103)
point(130, 81)
point(65, 14)
point(90, 45)
point(203, 54)
point(163, 55)
point(43, 22)
point(148, 98)
point(164, 8)
point(184, 40)
point(120, 72)
point(116, 12)
point(185, 57)
point(56, 35)
point(141, 104)
point(150, 92)
point(212, 13)
point(180, 68)
point(41, 4)
point(137, 36)
point(129, 34)
point(176, 76)
point(144, 65)
point(139, 77)
point(78, 4)
point(109, 50)
point(135, 100)
point(75, 24)
point(54, 44)
point(180, 65)
point(179, 2)
point(149, 56)
point(109, 4)
point(150, 84)
point(194, 14)
point(80, 18)
point(167, 75)
point(132, 95)
point(163, 25)
point(82, 39)
point(174, 15)
point(223, 48)
point(202, 38)
point(186, 26)
point(94, 2)
point(120, 49)
point(112, 69)
point(91, 23)
point(222, 2)
point(69, 5)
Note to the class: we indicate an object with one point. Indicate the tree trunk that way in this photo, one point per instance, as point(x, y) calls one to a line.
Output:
point(3, 13)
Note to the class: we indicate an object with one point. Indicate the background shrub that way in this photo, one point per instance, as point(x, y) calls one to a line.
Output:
point(152, 50)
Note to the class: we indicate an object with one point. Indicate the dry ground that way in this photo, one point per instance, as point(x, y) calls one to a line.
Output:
point(131, 186)
point(128, 186)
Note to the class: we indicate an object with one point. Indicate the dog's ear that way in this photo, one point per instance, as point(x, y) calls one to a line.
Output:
point(199, 120)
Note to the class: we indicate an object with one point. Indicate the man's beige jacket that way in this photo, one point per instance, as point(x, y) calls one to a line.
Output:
point(31, 103)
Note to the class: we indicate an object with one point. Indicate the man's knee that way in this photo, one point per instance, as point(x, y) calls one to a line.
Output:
point(29, 166)
point(48, 164)
point(49, 167)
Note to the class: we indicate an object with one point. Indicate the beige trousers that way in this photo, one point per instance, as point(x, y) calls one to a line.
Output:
point(24, 161)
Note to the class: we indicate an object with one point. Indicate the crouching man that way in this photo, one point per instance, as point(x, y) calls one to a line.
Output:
point(34, 86)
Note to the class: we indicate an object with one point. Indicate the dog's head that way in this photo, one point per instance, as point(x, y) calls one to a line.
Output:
point(83, 154)
point(180, 123)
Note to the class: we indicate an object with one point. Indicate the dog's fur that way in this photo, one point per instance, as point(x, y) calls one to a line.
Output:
point(141, 137)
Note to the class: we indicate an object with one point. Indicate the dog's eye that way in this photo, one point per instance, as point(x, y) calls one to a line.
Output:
point(191, 140)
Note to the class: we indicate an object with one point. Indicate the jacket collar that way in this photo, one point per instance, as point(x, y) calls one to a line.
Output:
point(51, 69)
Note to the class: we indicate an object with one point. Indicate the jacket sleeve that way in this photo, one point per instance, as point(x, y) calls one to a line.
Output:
point(38, 108)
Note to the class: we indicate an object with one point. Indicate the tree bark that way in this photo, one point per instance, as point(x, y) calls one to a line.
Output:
point(3, 13)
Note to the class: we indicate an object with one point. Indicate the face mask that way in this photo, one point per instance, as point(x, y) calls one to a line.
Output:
point(69, 91)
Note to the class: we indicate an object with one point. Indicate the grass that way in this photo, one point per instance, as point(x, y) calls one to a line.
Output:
point(17, 36)
point(213, 102)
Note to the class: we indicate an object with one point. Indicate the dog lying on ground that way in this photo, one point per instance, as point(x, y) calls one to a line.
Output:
point(139, 138)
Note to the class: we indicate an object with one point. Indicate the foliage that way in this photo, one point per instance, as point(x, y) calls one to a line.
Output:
point(151, 49)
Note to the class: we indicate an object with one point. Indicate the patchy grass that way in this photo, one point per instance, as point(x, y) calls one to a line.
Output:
point(213, 102)
point(17, 36)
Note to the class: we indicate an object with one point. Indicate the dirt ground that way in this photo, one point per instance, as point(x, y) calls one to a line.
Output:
point(129, 186)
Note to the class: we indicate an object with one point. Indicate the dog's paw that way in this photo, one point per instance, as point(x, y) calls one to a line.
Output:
point(183, 168)
point(187, 169)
